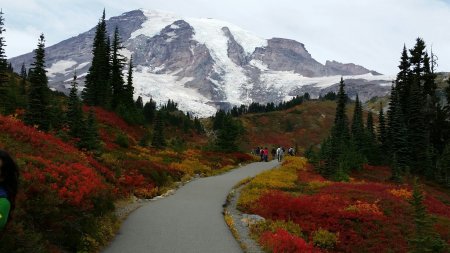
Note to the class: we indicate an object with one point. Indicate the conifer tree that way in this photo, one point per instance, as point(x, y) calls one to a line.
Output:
point(129, 89)
point(150, 111)
point(403, 80)
point(139, 103)
point(338, 147)
point(3, 62)
point(23, 79)
point(370, 127)
point(38, 101)
point(3, 68)
point(358, 126)
point(393, 104)
point(74, 111)
point(90, 138)
point(417, 58)
point(399, 145)
point(97, 91)
point(158, 140)
point(341, 120)
point(227, 135)
point(382, 132)
point(117, 64)
point(417, 134)
point(426, 239)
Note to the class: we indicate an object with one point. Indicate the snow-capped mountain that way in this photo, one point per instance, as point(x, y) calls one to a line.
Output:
point(204, 64)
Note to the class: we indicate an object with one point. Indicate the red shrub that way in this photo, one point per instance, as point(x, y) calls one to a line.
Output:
point(283, 242)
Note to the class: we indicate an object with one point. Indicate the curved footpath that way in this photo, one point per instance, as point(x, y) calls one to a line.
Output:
point(191, 220)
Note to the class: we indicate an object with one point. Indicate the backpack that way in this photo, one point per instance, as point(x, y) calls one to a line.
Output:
point(3, 193)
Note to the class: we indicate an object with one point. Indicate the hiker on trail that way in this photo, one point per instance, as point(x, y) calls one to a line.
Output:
point(280, 153)
point(274, 153)
point(291, 151)
point(266, 154)
point(257, 151)
point(9, 178)
point(261, 153)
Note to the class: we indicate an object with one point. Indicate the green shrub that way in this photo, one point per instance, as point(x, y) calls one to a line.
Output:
point(324, 239)
point(122, 140)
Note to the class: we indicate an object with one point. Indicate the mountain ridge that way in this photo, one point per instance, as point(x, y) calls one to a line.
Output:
point(206, 64)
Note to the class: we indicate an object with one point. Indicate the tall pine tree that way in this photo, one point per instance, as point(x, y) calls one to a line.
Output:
point(38, 96)
point(74, 111)
point(119, 95)
point(158, 140)
point(97, 91)
point(3, 68)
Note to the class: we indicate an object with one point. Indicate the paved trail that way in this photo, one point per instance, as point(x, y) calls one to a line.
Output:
point(191, 220)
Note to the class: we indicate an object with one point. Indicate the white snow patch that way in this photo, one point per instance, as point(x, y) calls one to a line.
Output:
point(209, 32)
point(162, 87)
point(82, 65)
point(172, 36)
point(127, 53)
point(288, 80)
point(173, 26)
point(156, 21)
point(60, 67)
point(259, 64)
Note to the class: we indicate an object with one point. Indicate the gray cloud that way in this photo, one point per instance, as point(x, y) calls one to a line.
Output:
point(366, 32)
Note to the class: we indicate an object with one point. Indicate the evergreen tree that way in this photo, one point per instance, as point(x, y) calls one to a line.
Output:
point(158, 140)
point(129, 89)
point(338, 148)
point(341, 120)
point(74, 111)
point(218, 120)
point(370, 127)
point(23, 79)
point(403, 80)
point(382, 132)
point(3, 69)
point(139, 103)
point(417, 58)
point(150, 111)
point(227, 135)
point(417, 133)
point(3, 62)
point(97, 91)
point(393, 105)
point(358, 126)
point(426, 239)
point(119, 94)
point(198, 126)
point(90, 138)
point(399, 145)
point(38, 96)
point(443, 167)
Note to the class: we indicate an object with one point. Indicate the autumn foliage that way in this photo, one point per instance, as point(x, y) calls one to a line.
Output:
point(361, 216)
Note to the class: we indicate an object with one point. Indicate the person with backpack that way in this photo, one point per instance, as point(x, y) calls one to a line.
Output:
point(280, 152)
point(9, 181)
point(266, 154)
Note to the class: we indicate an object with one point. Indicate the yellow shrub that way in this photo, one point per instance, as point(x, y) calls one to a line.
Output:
point(283, 178)
point(401, 193)
point(363, 207)
point(259, 228)
point(315, 185)
point(146, 193)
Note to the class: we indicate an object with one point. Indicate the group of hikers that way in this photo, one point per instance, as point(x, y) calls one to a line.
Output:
point(276, 153)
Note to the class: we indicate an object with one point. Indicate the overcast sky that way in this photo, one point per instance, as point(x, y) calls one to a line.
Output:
point(366, 32)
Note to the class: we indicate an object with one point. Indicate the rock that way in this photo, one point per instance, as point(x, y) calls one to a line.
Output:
point(250, 219)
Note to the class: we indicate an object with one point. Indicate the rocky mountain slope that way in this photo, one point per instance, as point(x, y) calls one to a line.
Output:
point(205, 64)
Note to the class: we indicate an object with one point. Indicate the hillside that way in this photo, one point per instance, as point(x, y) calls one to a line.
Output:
point(73, 191)
point(304, 125)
